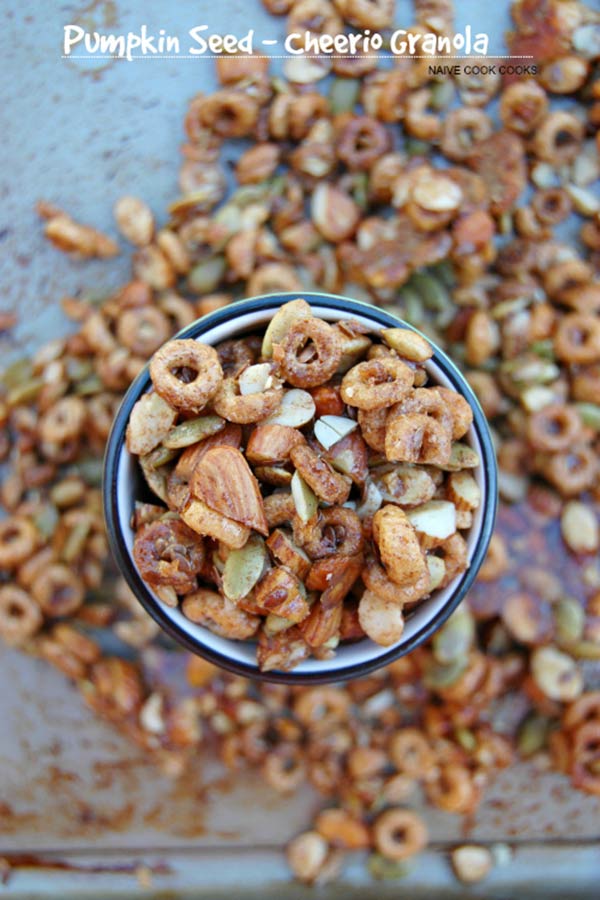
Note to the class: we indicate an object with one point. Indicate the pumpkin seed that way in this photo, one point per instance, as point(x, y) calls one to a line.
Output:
point(193, 431)
point(243, 568)
point(206, 276)
point(461, 457)
point(46, 519)
point(160, 456)
point(25, 392)
point(384, 869)
point(590, 414)
point(455, 637)
point(296, 409)
point(17, 373)
point(569, 618)
point(441, 676)
point(305, 501)
point(533, 733)
point(343, 94)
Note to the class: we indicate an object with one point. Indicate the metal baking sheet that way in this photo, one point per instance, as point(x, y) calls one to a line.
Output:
point(82, 813)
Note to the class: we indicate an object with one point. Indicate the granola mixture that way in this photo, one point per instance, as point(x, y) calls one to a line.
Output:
point(392, 186)
point(321, 492)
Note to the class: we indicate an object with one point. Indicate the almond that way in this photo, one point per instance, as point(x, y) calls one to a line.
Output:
point(270, 444)
point(287, 553)
point(296, 409)
point(321, 624)
point(224, 482)
point(255, 379)
point(150, 421)
point(280, 592)
point(463, 490)
point(305, 500)
point(436, 519)
point(407, 343)
point(198, 516)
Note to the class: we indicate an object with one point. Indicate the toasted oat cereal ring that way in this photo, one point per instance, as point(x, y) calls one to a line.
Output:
point(571, 471)
point(362, 141)
point(555, 427)
point(18, 540)
point(228, 113)
point(20, 616)
point(143, 329)
point(309, 354)
point(454, 553)
point(459, 409)
point(411, 753)
point(322, 707)
point(338, 531)
point(245, 409)
point(586, 756)
point(377, 581)
point(167, 552)
point(577, 339)
point(585, 709)
point(235, 356)
point(64, 421)
point(558, 138)
point(327, 484)
point(372, 427)
point(377, 383)
point(187, 374)
point(399, 834)
point(453, 790)
point(280, 509)
point(462, 129)
point(58, 590)
point(523, 105)
point(398, 546)
point(419, 429)
point(284, 768)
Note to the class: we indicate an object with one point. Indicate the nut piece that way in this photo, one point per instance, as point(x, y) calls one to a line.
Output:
point(463, 490)
point(334, 213)
point(579, 527)
point(204, 520)
point(280, 592)
point(435, 519)
point(286, 552)
point(296, 409)
point(306, 855)
point(407, 344)
point(134, 220)
point(150, 421)
point(331, 429)
point(271, 444)
point(472, 863)
point(255, 379)
point(556, 674)
point(224, 481)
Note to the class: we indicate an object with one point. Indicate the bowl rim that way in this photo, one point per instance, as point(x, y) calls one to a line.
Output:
point(116, 441)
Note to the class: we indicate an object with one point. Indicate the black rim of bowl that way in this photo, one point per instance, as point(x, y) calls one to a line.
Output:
point(121, 554)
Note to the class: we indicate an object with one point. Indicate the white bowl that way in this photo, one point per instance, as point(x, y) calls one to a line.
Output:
point(123, 485)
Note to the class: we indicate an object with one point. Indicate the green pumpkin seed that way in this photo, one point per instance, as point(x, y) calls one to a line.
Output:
point(569, 618)
point(243, 568)
point(206, 276)
point(590, 415)
point(386, 869)
point(158, 457)
point(76, 539)
point(46, 519)
point(441, 676)
point(90, 470)
point(25, 392)
point(193, 431)
point(343, 94)
point(455, 638)
point(434, 293)
point(584, 649)
point(533, 734)
point(466, 739)
point(17, 373)
point(89, 386)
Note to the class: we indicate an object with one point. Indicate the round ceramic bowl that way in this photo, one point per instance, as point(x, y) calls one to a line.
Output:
point(124, 484)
